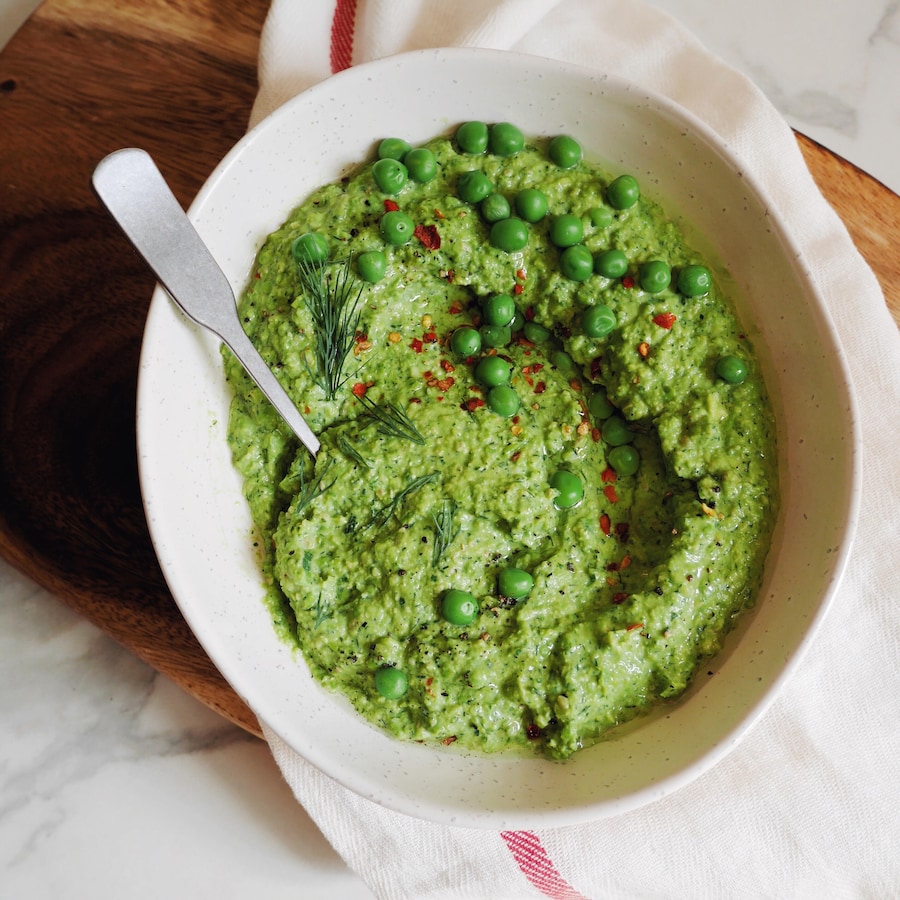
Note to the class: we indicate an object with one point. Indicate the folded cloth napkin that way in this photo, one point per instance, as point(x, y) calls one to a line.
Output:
point(807, 805)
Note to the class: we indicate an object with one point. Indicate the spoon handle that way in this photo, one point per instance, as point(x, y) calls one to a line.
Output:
point(136, 195)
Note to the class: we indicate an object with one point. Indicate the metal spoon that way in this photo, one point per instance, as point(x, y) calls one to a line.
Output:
point(136, 195)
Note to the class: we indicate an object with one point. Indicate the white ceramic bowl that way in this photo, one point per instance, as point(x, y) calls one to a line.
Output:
point(201, 526)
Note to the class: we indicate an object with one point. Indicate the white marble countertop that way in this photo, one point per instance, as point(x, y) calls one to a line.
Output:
point(114, 783)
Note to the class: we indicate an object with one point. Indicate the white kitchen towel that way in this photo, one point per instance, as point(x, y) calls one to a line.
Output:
point(808, 805)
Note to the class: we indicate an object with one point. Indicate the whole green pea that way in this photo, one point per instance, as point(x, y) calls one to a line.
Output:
point(611, 263)
point(459, 607)
point(495, 207)
point(536, 333)
point(505, 139)
point(509, 235)
point(565, 151)
point(563, 361)
point(576, 263)
point(390, 175)
point(310, 248)
point(531, 204)
point(570, 491)
point(397, 227)
point(499, 309)
point(371, 265)
point(600, 407)
point(624, 459)
point(473, 186)
point(623, 192)
point(694, 281)
point(514, 583)
point(465, 341)
point(391, 682)
point(616, 432)
point(654, 276)
point(600, 216)
point(731, 369)
point(421, 164)
point(472, 137)
point(495, 336)
point(393, 148)
point(492, 370)
point(566, 230)
point(503, 400)
point(598, 321)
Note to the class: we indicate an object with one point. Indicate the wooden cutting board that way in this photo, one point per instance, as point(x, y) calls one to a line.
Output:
point(83, 78)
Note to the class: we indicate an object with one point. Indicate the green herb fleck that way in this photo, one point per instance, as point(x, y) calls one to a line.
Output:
point(323, 611)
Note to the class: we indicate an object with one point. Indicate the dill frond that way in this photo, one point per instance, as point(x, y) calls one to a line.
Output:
point(381, 516)
point(444, 530)
point(391, 420)
point(311, 489)
point(351, 452)
point(333, 304)
point(323, 611)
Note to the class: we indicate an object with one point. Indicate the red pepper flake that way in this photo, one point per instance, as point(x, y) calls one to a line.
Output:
point(428, 236)
point(359, 389)
point(475, 388)
point(444, 384)
point(416, 345)
point(529, 314)
point(455, 309)
point(529, 380)
point(430, 337)
point(596, 367)
point(390, 206)
point(447, 741)
point(643, 349)
point(415, 399)
point(635, 625)
point(360, 337)
point(517, 289)
point(619, 598)
point(533, 732)
point(257, 276)
point(473, 404)
point(628, 282)
point(575, 384)
point(605, 524)
point(515, 456)
point(447, 366)
point(622, 530)
point(611, 494)
point(439, 214)
point(521, 274)
point(450, 276)
point(612, 567)
point(536, 367)
point(595, 435)
point(665, 320)
point(608, 475)
point(540, 387)
point(626, 562)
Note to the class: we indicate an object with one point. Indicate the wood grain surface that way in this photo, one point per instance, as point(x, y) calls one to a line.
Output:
point(83, 78)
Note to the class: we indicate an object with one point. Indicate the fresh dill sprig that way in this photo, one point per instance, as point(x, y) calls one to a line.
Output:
point(351, 452)
point(381, 516)
point(311, 489)
point(323, 611)
point(391, 420)
point(444, 530)
point(333, 304)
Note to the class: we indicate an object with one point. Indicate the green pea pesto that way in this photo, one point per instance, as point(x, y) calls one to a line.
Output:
point(421, 490)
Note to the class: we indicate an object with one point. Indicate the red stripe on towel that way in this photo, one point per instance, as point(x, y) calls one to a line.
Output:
point(342, 26)
point(537, 867)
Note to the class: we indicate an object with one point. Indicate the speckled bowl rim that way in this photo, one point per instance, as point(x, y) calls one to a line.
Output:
point(199, 522)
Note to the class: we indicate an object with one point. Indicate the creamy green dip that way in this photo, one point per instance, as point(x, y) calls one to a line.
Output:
point(630, 587)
